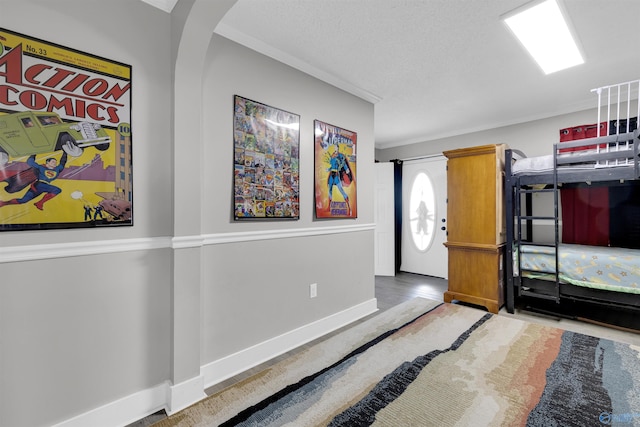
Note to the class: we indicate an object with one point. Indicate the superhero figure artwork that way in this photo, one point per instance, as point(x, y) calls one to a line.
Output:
point(335, 171)
point(39, 178)
point(65, 138)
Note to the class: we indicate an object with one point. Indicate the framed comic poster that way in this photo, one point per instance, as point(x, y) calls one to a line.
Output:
point(65, 137)
point(335, 171)
point(266, 161)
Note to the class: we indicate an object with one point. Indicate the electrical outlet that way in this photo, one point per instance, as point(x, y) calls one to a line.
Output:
point(313, 290)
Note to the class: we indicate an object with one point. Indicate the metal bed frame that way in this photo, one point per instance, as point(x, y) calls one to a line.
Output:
point(614, 161)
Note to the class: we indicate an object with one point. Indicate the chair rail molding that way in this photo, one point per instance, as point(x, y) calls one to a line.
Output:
point(10, 254)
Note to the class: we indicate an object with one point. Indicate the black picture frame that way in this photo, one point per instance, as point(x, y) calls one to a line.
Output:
point(266, 161)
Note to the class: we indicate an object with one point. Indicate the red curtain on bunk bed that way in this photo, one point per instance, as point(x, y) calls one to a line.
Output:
point(585, 209)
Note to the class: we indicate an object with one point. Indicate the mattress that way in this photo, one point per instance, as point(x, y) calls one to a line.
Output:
point(528, 165)
point(599, 267)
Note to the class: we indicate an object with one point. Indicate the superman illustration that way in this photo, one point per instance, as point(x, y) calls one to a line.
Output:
point(39, 178)
point(339, 174)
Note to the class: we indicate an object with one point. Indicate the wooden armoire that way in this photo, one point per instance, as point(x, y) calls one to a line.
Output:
point(476, 225)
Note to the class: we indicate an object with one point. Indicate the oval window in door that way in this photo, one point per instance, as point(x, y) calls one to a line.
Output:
point(422, 209)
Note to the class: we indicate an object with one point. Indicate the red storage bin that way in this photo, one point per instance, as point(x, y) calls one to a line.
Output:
point(581, 132)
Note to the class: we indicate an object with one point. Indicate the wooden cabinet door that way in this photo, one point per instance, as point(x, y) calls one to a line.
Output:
point(476, 232)
point(475, 199)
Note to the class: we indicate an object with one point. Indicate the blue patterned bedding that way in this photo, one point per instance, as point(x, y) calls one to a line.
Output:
point(613, 269)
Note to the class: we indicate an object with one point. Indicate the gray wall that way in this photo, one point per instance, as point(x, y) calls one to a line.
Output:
point(535, 138)
point(104, 324)
point(270, 279)
point(78, 331)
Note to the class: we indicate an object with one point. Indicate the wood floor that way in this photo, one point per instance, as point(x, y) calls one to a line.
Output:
point(391, 291)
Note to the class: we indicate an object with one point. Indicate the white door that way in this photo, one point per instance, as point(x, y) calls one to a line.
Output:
point(424, 216)
point(384, 240)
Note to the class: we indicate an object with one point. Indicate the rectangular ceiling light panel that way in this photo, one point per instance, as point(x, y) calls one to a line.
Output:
point(542, 29)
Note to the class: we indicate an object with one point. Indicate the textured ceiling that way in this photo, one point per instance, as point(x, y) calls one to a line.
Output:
point(437, 68)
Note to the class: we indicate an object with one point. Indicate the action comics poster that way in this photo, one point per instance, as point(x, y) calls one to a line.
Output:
point(65, 137)
point(335, 171)
point(266, 161)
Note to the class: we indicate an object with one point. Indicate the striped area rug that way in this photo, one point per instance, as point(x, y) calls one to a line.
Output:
point(425, 363)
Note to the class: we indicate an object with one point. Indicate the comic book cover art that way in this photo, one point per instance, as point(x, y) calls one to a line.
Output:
point(266, 157)
point(335, 171)
point(65, 137)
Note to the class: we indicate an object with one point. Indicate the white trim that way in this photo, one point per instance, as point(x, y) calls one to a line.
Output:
point(485, 127)
point(64, 250)
point(248, 358)
point(182, 242)
point(166, 5)
point(219, 238)
point(123, 411)
point(173, 398)
point(263, 48)
point(185, 394)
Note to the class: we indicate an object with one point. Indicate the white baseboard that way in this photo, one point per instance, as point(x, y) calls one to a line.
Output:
point(241, 361)
point(123, 411)
point(184, 394)
point(173, 398)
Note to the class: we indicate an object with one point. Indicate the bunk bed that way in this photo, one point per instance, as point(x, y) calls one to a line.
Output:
point(548, 273)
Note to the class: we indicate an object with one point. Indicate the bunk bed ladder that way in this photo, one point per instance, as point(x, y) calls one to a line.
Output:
point(556, 229)
point(528, 217)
